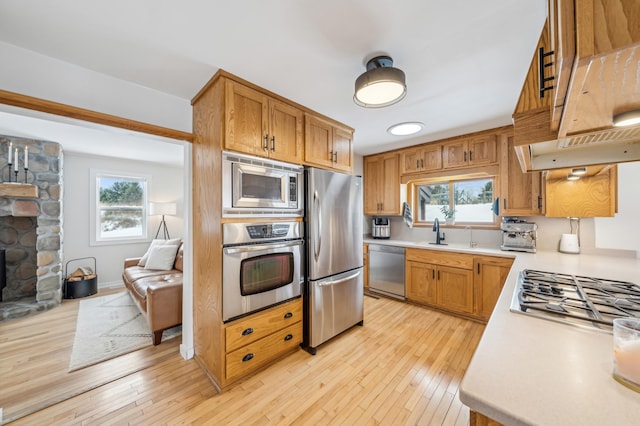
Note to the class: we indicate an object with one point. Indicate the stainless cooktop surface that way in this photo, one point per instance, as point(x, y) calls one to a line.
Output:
point(582, 301)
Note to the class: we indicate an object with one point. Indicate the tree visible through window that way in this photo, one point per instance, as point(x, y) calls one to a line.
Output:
point(470, 200)
point(121, 207)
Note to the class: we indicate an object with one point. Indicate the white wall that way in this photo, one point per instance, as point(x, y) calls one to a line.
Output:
point(167, 184)
point(622, 230)
point(30, 73)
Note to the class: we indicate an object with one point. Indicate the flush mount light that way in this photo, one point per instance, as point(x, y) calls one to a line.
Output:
point(579, 171)
point(571, 176)
point(381, 85)
point(628, 118)
point(404, 129)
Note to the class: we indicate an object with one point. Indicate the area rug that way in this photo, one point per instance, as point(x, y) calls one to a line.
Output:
point(110, 326)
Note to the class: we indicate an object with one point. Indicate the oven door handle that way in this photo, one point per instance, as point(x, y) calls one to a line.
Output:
point(263, 247)
point(339, 281)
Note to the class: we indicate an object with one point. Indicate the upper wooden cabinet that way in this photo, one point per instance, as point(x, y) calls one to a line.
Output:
point(593, 195)
point(425, 158)
point(522, 193)
point(259, 125)
point(584, 71)
point(327, 145)
point(475, 151)
point(382, 185)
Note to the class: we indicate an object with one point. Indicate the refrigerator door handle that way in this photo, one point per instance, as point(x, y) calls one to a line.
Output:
point(341, 280)
point(318, 216)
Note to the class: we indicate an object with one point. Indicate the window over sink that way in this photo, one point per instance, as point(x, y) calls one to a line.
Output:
point(468, 200)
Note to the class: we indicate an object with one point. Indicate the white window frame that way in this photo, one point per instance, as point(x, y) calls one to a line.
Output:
point(94, 221)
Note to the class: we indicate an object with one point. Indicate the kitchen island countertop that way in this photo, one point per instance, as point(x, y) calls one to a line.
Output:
point(528, 370)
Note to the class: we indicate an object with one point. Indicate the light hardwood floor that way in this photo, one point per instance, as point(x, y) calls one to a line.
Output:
point(403, 366)
point(34, 360)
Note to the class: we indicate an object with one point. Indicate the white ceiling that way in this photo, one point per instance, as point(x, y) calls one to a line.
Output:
point(465, 60)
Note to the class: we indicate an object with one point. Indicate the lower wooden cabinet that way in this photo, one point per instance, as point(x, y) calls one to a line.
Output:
point(258, 339)
point(456, 282)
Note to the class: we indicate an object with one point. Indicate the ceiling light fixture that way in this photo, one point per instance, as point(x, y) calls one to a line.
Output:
point(381, 85)
point(404, 129)
point(579, 171)
point(628, 118)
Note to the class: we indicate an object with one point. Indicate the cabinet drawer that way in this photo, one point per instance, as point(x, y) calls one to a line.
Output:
point(251, 357)
point(457, 260)
point(247, 330)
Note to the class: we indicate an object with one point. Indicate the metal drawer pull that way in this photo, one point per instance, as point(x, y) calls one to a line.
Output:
point(265, 145)
point(273, 143)
point(247, 332)
point(247, 357)
point(288, 315)
point(288, 337)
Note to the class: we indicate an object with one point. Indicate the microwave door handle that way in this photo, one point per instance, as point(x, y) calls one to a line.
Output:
point(318, 216)
point(340, 281)
point(262, 247)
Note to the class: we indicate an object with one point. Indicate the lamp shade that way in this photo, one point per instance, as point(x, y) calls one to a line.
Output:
point(381, 85)
point(162, 209)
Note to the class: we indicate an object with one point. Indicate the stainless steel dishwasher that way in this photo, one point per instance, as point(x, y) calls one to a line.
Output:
point(386, 270)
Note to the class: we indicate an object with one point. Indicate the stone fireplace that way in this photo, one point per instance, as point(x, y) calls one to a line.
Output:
point(31, 228)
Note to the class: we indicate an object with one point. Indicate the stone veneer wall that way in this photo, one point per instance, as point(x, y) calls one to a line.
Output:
point(45, 171)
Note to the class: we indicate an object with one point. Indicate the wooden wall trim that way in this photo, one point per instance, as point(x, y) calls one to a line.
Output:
point(50, 107)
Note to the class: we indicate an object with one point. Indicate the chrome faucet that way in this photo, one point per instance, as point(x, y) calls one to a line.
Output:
point(471, 243)
point(436, 229)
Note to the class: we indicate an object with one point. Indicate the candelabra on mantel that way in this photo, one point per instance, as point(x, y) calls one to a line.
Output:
point(15, 163)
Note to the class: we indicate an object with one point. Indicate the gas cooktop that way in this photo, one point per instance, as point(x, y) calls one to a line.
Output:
point(582, 301)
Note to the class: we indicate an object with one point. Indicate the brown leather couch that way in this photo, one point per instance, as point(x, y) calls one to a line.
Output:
point(157, 293)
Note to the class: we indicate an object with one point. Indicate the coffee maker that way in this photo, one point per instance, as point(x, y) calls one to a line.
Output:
point(381, 227)
point(518, 235)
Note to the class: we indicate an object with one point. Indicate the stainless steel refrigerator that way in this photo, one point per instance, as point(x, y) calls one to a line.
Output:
point(335, 277)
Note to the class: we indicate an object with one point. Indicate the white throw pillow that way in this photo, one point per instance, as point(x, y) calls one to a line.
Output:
point(143, 260)
point(162, 257)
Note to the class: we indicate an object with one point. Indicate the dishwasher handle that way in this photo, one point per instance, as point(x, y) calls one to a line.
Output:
point(386, 249)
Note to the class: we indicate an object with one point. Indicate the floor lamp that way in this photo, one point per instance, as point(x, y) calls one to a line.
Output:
point(162, 209)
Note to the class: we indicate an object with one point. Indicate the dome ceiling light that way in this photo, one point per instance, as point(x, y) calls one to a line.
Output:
point(381, 85)
point(405, 129)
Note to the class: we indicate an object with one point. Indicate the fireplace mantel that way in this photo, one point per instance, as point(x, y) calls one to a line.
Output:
point(18, 190)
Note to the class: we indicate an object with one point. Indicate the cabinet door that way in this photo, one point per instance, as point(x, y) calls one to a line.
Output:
point(318, 142)
point(490, 275)
point(521, 192)
point(454, 154)
point(342, 149)
point(390, 186)
point(421, 282)
point(455, 289)
point(372, 181)
point(246, 120)
point(483, 150)
point(432, 157)
point(285, 132)
point(410, 160)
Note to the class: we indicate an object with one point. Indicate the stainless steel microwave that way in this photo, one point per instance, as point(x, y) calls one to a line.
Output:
point(259, 187)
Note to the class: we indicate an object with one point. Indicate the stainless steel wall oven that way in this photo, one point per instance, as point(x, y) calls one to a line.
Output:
point(261, 266)
point(258, 187)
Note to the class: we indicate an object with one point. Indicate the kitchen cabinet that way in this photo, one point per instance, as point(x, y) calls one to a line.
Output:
point(258, 339)
point(443, 280)
point(257, 124)
point(426, 158)
point(583, 72)
point(382, 185)
point(475, 151)
point(521, 193)
point(593, 195)
point(490, 275)
point(327, 145)
point(460, 283)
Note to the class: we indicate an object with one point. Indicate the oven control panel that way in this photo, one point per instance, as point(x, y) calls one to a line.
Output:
point(267, 231)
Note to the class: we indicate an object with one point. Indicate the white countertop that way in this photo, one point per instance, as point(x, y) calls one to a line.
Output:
point(529, 370)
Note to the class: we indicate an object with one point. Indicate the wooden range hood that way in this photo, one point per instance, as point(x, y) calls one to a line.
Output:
point(586, 70)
